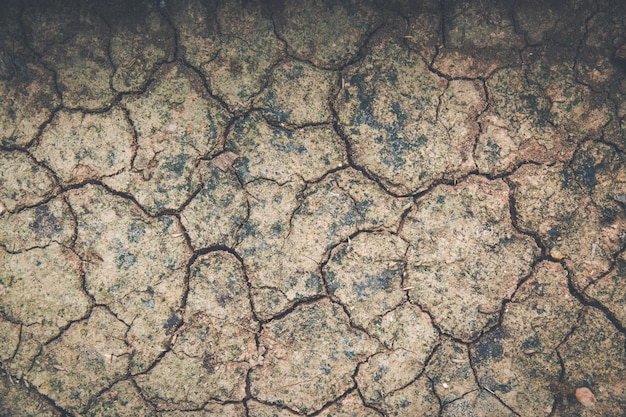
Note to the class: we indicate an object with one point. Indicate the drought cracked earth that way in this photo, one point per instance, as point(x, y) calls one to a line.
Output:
point(322, 208)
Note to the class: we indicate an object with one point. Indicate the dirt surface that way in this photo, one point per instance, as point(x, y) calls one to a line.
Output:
point(334, 208)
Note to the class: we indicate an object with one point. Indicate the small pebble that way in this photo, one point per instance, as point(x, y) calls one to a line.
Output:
point(556, 254)
point(225, 160)
point(585, 397)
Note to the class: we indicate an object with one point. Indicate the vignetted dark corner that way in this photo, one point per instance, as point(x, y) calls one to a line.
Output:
point(326, 208)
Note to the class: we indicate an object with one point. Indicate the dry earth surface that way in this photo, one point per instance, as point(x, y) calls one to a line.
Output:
point(334, 208)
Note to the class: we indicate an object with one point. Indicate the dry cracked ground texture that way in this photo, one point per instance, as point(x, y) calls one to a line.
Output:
point(312, 208)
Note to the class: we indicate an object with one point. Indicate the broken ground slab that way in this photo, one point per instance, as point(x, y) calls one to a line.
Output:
point(38, 226)
point(365, 276)
point(286, 155)
point(595, 67)
point(454, 383)
point(479, 403)
point(573, 210)
point(258, 409)
point(9, 342)
point(327, 34)
point(29, 100)
point(407, 126)
point(23, 182)
point(409, 338)
point(177, 123)
point(538, 112)
point(80, 147)
point(232, 44)
point(298, 94)
point(40, 295)
point(560, 23)
point(479, 37)
point(311, 355)
point(261, 243)
point(276, 262)
point(249, 48)
point(450, 372)
point(134, 264)
point(610, 292)
point(325, 214)
point(212, 352)
point(516, 125)
point(73, 40)
point(217, 212)
point(593, 356)
point(87, 358)
point(576, 109)
point(123, 399)
point(415, 399)
point(198, 37)
point(141, 39)
point(422, 34)
point(519, 360)
point(466, 258)
point(15, 400)
point(351, 405)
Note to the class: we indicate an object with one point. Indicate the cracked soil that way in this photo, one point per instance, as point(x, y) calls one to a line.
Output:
point(334, 208)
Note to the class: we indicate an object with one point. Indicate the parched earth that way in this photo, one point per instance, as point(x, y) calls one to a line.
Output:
point(334, 208)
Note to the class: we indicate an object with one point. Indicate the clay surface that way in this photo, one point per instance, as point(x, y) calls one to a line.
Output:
point(321, 208)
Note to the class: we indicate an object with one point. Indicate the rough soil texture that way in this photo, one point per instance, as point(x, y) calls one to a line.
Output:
point(355, 208)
